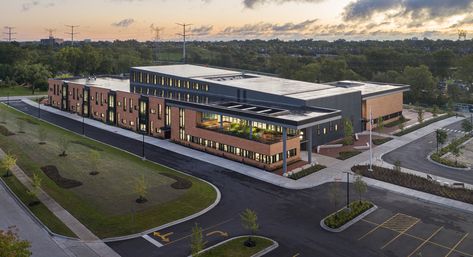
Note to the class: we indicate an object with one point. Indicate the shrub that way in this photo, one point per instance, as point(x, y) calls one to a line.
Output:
point(455, 144)
point(415, 182)
point(380, 141)
point(425, 123)
point(306, 172)
point(343, 216)
point(347, 154)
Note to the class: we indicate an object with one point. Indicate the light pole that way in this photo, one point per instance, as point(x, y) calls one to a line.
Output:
point(143, 146)
point(371, 141)
point(39, 108)
point(8, 98)
point(348, 188)
point(83, 123)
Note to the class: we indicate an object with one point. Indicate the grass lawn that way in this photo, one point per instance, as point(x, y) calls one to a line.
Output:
point(39, 210)
point(19, 91)
point(105, 203)
point(236, 248)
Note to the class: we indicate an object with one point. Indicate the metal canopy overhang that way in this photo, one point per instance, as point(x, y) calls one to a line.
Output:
point(333, 115)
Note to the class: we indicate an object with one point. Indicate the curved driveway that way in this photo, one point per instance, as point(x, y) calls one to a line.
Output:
point(291, 217)
point(414, 156)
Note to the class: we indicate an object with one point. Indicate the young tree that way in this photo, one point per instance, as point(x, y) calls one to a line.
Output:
point(401, 126)
point(12, 245)
point(197, 240)
point(94, 158)
point(435, 111)
point(420, 115)
point(441, 137)
point(8, 162)
point(36, 186)
point(334, 194)
point(141, 189)
point(397, 166)
point(467, 126)
point(456, 151)
point(42, 134)
point(348, 131)
point(21, 126)
point(63, 145)
point(249, 221)
point(360, 186)
point(380, 123)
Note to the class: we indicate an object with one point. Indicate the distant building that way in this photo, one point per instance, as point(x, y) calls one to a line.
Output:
point(51, 41)
point(259, 120)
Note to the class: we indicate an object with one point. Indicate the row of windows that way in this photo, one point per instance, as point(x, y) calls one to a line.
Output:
point(331, 128)
point(388, 117)
point(172, 95)
point(147, 78)
point(266, 159)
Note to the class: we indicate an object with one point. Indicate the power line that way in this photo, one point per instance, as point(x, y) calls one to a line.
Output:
point(9, 33)
point(183, 35)
point(72, 33)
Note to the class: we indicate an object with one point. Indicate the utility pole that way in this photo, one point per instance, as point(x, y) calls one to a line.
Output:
point(72, 33)
point(184, 35)
point(157, 32)
point(9, 33)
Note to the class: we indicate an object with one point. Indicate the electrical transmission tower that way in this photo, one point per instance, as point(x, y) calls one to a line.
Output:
point(72, 33)
point(157, 32)
point(9, 33)
point(184, 35)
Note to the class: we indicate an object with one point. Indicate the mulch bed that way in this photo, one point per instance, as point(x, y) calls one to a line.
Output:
point(4, 131)
point(181, 183)
point(53, 173)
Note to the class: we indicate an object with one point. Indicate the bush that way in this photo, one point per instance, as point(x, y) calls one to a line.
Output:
point(343, 216)
point(396, 122)
point(415, 182)
point(449, 148)
point(425, 123)
point(347, 154)
point(380, 141)
point(306, 172)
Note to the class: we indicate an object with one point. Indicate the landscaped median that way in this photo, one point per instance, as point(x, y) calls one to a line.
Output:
point(423, 124)
point(415, 182)
point(96, 183)
point(306, 172)
point(344, 218)
point(235, 247)
point(455, 144)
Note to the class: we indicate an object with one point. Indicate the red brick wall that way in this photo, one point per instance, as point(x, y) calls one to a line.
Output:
point(127, 118)
point(98, 107)
point(156, 119)
point(55, 99)
point(75, 103)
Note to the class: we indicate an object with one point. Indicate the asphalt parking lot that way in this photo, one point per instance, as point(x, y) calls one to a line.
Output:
point(399, 234)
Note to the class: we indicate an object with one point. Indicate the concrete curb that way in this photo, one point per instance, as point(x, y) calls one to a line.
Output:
point(258, 254)
point(113, 239)
point(350, 223)
point(429, 158)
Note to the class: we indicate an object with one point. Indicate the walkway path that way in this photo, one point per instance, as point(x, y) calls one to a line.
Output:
point(70, 221)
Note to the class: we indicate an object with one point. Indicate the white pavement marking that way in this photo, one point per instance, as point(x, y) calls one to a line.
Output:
point(151, 240)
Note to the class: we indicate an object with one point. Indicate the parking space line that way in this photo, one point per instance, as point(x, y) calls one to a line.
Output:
point(458, 243)
point(380, 225)
point(425, 241)
point(400, 234)
point(297, 254)
point(151, 240)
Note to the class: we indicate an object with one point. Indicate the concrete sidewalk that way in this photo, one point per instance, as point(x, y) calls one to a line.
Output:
point(92, 241)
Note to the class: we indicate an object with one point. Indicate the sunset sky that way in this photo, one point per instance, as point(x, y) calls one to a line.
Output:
point(239, 19)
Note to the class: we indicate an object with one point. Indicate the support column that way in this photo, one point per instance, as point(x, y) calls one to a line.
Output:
point(284, 151)
point(251, 129)
point(308, 132)
point(221, 121)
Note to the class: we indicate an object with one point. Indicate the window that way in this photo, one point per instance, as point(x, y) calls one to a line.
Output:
point(168, 116)
point(124, 103)
point(152, 111)
point(160, 111)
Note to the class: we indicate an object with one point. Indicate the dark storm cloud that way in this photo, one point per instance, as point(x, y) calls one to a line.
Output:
point(419, 10)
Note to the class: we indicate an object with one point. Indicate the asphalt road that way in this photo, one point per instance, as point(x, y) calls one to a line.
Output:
point(291, 217)
point(414, 156)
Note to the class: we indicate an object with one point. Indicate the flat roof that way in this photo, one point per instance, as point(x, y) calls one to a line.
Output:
point(112, 83)
point(273, 85)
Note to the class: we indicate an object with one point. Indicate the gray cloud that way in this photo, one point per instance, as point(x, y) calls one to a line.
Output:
point(202, 30)
point(269, 28)
point(418, 11)
point(253, 3)
point(125, 23)
point(28, 5)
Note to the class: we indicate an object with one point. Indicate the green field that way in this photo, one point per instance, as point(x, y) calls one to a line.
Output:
point(19, 91)
point(105, 203)
point(236, 248)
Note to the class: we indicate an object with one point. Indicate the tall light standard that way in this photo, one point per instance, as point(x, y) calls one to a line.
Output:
point(39, 108)
point(143, 146)
point(83, 122)
point(8, 98)
point(371, 141)
point(348, 188)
